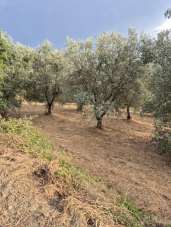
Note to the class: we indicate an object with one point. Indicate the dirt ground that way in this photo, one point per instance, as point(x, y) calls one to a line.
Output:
point(21, 203)
point(121, 154)
point(31, 197)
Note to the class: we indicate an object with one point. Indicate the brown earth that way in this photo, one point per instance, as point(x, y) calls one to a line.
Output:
point(31, 196)
point(21, 203)
point(120, 153)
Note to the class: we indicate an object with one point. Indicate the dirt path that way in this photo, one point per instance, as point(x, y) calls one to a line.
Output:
point(120, 153)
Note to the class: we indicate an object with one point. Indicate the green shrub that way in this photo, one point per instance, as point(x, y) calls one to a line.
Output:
point(32, 140)
point(162, 138)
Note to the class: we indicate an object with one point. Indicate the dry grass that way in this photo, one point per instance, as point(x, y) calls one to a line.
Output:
point(121, 154)
point(37, 193)
point(62, 192)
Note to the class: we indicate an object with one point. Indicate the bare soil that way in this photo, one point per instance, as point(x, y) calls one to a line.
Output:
point(121, 154)
point(21, 203)
point(30, 195)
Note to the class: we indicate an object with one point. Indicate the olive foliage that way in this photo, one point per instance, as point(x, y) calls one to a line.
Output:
point(13, 68)
point(46, 76)
point(106, 70)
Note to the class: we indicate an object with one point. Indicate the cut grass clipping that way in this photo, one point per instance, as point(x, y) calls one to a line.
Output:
point(25, 137)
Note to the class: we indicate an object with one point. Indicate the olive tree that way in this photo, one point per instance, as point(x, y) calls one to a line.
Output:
point(161, 81)
point(132, 95)
point(13, 75)
point(46, 76)
point(100, 69)
point(161, 89)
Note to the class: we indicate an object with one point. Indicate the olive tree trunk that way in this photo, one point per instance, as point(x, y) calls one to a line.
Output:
point(50, 105)
point(99, 118)
point(80, 107)
point(128, 113)
point(99, 123)
point(49, 108)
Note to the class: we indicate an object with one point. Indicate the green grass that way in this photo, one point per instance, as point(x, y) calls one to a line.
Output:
point(128, 214)
point(132, 216)
point(74, 175)
point(30, 139)
point(135, 212)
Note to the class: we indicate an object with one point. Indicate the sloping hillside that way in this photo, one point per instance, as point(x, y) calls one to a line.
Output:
point(121, 154)
point(40, 188)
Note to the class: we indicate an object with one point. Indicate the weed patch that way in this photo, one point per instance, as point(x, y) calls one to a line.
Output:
point(74, 175)
point(30, 140)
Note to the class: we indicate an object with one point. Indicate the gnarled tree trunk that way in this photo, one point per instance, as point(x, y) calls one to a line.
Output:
point(99, 123)
point(128, 113)
point(99, 118)
point(49, 108)
point(50, 101)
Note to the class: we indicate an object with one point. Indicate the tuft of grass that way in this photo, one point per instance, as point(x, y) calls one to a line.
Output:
point(30, 140)
point(126, 213)
point(74, 175)
point(132, 216)
point(135, 212)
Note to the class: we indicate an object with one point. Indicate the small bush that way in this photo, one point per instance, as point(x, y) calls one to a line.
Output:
point(162, 138)
point(32, 140)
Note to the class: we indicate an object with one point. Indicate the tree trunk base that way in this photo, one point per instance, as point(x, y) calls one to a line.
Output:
point(99, 124)
point(80, 107)
point(49, 110)
point(128, 114)
point(48, 114)
point(129, 118)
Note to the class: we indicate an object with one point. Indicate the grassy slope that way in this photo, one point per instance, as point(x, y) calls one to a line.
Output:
point(91, 197)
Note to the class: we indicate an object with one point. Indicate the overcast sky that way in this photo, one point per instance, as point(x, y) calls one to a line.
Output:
point(32, 21)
